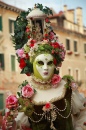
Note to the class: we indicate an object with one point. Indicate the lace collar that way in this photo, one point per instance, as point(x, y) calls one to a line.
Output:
point(40, 81)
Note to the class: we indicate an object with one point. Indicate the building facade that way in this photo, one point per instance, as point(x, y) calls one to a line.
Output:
point(9, 71)
point(70, 32)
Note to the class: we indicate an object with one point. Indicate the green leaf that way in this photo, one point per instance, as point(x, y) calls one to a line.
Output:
point(18, 93)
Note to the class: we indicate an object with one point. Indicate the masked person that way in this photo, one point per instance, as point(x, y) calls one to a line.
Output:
point(46, 101)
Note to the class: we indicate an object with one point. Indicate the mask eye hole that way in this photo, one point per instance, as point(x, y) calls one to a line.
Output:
point(40, 62)
point(50, 63)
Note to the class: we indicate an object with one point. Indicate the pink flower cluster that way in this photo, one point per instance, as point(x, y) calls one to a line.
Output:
point(55, 80)
point(73, 85)
point(20, 53)
point(27, 91)
point(11, 102)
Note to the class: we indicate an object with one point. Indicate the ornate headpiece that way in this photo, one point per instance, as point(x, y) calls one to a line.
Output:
point(34, 35)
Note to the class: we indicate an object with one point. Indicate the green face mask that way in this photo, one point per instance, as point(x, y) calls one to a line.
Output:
point(43, 66)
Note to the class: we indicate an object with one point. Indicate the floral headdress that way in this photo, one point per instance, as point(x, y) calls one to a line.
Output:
point(32, 38)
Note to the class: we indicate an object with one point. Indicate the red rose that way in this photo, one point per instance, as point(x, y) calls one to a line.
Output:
point(54, 61)
point(47, 105)
point(28, 37)
point(47, 20)
point(27, 56)
point(27, 29)
point(55, 45)
point(84, 123)
point(22, 63)
point(46, 36)
point(28, 74)
point(32, 43)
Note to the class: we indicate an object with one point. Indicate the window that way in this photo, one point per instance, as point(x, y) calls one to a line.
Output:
point(77, 75)
point(0, 23)
point(75, 46)
point(2, 61)
point(11, 25)
point(67, 44)
point(85, 48)
point(69, 71)
point(12, 62)
point(1, 101)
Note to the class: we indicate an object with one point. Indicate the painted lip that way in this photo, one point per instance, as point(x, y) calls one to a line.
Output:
point(45, 73)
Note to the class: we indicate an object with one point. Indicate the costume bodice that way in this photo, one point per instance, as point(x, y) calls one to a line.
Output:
point(60, 97)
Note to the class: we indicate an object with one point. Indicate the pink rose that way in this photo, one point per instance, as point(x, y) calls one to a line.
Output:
point(55, 80)
point(74, 86)
point(11, 102)
point(51, 35)
point(20, 53)
point(27, 91)
point(47, 107)
point(62, 54)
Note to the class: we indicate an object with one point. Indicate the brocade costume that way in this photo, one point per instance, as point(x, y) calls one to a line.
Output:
point(64, 112)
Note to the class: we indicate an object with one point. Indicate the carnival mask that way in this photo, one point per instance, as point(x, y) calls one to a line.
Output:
point(43, 66)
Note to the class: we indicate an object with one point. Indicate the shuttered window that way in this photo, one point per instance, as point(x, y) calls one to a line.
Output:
point(1, 101)
point(12, 62)
point(2, 61)
point(67, 44)
point(12, 24)
point(75, 46)
point(0, 23)
point(85, 48)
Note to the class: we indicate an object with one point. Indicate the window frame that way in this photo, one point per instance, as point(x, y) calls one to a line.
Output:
point(2, 66)
point(71, 72)
point(11, 22)
point(77, 78)
point(68, 47)
point(1, 24)
point(75, 46)
point(13, 68)
point(4, 98)
point(84, 48)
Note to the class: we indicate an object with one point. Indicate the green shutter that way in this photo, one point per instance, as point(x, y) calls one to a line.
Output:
point(1, 101)
point(85, 48)
point(0, 23)
point(67, 44)
point(75, 46)
point(14, 24)
point(2, 61)
point(12, 63)
point(10, 26)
